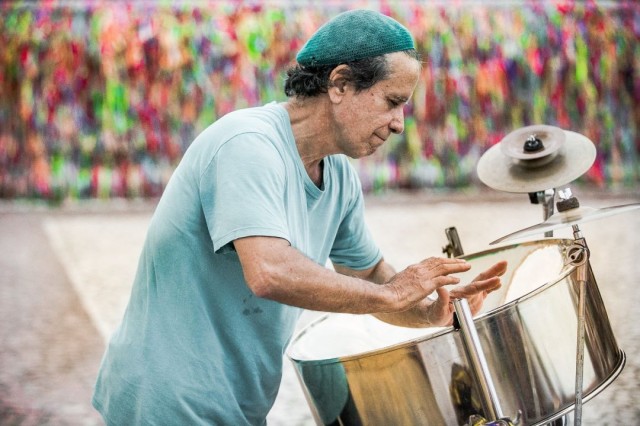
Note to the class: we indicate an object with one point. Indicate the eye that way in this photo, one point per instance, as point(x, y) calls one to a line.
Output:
point(397, 102)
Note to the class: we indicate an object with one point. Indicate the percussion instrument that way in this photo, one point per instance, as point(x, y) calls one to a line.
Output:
point(541, 346)
point(357, 370)
point(536, 158)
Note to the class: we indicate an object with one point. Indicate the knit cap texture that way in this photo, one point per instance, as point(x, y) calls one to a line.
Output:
point(352, 36)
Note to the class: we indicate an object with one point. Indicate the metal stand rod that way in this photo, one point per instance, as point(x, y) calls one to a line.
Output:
point(490, 401)
point(548, 207)
point(545, 198)
point(579, 256)
point(471, 342)
point(580, 352)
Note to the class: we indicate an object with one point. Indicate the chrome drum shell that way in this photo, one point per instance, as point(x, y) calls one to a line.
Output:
point(356, 370)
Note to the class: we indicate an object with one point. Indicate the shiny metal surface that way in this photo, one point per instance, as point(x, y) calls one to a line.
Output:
point(568, 218)
point(356, 370)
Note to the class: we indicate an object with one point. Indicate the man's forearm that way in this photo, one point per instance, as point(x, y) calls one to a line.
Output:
point(275, 270)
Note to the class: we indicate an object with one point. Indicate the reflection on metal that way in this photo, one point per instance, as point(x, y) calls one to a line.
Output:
point(356, 370)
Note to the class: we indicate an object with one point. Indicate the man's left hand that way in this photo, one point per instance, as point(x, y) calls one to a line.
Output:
point(440, 312)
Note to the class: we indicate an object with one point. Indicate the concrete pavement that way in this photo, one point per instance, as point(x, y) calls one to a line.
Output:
point(65, 276)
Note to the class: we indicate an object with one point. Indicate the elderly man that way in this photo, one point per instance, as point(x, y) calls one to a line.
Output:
point(238, 244)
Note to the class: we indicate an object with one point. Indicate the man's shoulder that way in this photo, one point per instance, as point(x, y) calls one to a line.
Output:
point(257, 124)
point(266, 118)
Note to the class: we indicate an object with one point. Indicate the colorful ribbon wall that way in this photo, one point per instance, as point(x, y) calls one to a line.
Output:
point(101, 99)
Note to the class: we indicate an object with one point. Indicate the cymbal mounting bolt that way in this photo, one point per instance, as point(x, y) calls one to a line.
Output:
point(533, 144)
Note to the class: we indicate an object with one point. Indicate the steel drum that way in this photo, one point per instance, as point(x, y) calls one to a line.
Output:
point(356, 370)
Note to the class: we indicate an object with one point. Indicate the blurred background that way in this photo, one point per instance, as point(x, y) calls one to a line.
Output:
point(100, 99)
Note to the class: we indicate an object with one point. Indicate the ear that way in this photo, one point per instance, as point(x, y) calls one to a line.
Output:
point(337, 83)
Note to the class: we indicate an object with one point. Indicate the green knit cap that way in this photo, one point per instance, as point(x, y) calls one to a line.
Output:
point(354, 35)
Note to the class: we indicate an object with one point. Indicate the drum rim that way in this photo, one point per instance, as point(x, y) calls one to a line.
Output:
point(564, 242)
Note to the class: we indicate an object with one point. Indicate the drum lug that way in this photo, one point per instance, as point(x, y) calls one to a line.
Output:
point(577, 253)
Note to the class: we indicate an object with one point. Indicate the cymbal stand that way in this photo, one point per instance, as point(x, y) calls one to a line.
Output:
point(545, 198)
point(578, 256)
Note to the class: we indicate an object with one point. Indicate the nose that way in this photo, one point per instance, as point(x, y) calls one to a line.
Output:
point(397, 121)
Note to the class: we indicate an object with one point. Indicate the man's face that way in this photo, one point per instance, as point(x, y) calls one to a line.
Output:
point(366, 119)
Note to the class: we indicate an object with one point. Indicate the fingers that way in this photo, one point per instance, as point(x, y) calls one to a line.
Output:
point(437, 272)
point(495, 270)
point(488, 285)
point(417, 281)
point(475, 293)
point(486, 282)
point(443, 296)
point(440, 312)
point(476, 287)
point(444, 266)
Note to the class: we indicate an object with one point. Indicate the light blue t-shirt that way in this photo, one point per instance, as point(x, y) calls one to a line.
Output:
point(196, 346)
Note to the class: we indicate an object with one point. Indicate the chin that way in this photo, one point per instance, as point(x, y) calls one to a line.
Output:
point(363, 150)
point(358, 155)
point(369, 152)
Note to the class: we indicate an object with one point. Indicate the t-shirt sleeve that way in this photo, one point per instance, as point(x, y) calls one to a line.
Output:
point(242, 191)
point(354, 246)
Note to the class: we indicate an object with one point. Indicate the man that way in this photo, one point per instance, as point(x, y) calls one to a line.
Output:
point(239, 241)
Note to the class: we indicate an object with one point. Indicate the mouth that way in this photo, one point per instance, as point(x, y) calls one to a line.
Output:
point(381, 138)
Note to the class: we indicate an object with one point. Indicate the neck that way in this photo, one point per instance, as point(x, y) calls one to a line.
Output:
point(310, 124)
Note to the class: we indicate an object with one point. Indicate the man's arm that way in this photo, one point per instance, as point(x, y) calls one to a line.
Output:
point(275, 270)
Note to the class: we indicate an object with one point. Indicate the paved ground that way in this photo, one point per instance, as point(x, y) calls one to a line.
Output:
point(65, 277)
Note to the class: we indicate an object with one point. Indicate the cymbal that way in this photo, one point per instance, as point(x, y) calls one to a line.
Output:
point(568, 218)
point(536, 158)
